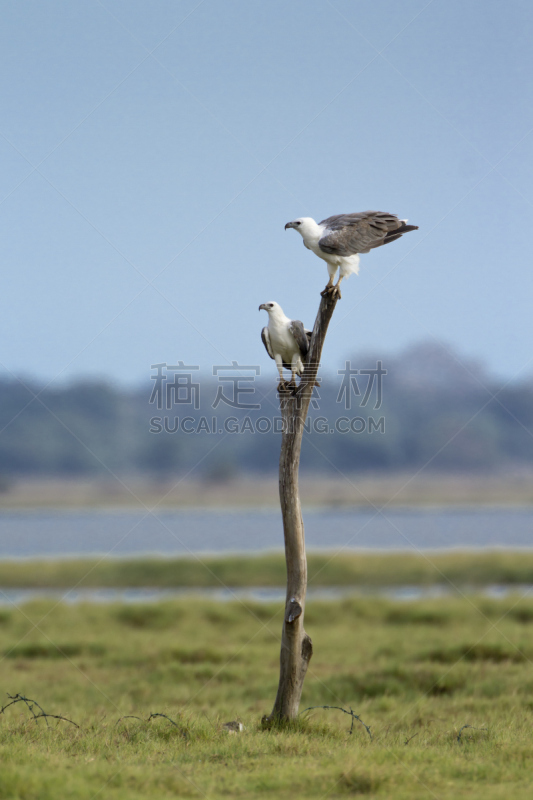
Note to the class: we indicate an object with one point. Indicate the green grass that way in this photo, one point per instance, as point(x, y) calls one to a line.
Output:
point(346, 569)
point(416, 673)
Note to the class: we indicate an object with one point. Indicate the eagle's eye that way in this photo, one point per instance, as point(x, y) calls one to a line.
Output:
point(298, 222)
point(271, 305)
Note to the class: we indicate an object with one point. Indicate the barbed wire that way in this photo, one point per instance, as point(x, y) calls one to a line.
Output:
point(467, 726)
point(344, 711)
point(152, 716)
point(31, 704)
point(165, 716)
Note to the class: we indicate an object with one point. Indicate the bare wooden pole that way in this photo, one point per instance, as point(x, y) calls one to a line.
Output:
point(296, 645)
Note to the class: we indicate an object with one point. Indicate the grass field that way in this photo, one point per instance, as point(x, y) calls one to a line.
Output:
point(415, 673)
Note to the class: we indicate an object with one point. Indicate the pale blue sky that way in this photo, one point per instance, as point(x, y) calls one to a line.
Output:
point(152, 153)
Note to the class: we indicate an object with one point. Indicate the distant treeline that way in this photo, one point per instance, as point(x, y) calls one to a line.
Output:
point(430, 408)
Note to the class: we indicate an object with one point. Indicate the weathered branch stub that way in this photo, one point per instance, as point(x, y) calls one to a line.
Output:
point(296, 646)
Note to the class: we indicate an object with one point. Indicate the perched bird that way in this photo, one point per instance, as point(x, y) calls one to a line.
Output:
point(339, 239)
point(233, 727)
point(286, 341)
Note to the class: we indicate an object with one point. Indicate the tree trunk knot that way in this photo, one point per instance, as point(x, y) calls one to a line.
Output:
point(293, 610)
point(307, 648)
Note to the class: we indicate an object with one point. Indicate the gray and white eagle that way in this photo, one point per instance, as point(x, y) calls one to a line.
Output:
point(286, 341)
point(340, 239)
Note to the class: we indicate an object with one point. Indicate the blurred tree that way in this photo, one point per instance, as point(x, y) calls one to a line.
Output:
point(431, 402)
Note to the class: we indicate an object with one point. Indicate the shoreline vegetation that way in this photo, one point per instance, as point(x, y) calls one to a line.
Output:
point(466, 571)
point(351, 490)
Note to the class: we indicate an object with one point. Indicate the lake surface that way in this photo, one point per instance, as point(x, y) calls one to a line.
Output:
point(173, 533)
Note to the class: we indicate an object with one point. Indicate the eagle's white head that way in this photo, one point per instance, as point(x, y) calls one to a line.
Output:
point(270, 308)
point(307, 226)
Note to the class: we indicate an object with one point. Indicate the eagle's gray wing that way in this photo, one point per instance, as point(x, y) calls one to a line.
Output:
point(348, 234)
point(298, 331)
point(265, 336)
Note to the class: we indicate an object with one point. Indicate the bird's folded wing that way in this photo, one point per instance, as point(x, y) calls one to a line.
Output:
point(298, 331)
point(265, 336)
point(348, 234)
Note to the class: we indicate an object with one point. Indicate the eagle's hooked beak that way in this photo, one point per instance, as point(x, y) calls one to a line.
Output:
point(262, 307)
point(290, 225)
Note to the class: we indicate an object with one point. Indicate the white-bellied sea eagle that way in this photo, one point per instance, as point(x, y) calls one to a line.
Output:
point(340, 239)
point(286, 341)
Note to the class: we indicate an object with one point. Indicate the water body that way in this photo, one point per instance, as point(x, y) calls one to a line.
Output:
point(178, 533)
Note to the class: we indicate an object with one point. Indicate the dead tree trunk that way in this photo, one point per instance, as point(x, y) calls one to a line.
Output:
point(296, 646)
